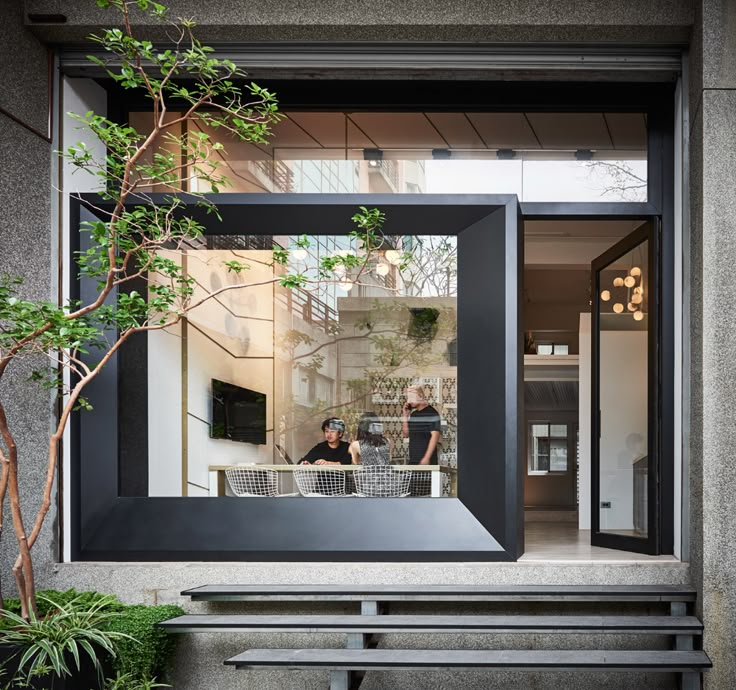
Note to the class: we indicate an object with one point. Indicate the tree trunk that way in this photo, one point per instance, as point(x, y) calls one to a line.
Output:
point(23, 568)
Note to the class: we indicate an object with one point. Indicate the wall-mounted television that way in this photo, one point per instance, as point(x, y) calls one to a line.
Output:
point(238, 414)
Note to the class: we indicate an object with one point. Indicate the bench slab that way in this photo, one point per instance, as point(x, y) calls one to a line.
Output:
point(440, 659)
point(613, 593)
point(661, 625)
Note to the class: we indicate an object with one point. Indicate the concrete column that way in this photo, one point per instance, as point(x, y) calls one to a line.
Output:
point(714, 223)
point(26, 249)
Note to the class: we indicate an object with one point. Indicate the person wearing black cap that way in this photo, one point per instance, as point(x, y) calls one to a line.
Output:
point(333, 450)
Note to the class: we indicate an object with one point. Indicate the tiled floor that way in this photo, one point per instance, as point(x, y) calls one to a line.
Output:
point(563, 541)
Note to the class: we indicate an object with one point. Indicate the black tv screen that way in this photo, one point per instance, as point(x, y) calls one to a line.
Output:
point(238, 414)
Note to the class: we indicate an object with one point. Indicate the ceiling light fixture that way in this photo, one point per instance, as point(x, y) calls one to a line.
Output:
point(628, 291)
point(373, 156)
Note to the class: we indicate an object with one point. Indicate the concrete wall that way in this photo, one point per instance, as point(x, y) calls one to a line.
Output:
point(713, 318)
point(26, 208)
point(485, 20)
point(28, 248)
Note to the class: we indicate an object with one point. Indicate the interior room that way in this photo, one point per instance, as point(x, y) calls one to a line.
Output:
point(249, 379)
point(558, 301)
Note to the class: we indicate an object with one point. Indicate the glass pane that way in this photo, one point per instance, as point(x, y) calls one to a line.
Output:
point(623, 304)
point(594, 156)
point(558, 455)
point(269, 376)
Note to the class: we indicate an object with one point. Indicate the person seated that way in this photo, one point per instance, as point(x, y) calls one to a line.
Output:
point(333, 450)
point(370, 446)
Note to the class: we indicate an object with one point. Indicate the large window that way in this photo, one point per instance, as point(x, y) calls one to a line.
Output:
point(584, 156)
point(363, 343)
point(549, 445)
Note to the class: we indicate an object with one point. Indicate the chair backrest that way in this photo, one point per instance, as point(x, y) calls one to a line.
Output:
point(317, 482)
point(382, 481)
point(253, 481)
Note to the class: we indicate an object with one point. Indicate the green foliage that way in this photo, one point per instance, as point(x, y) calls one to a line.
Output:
point(127, 681)
point(145, 649)
point(49, 601)
point(69, 632)
point(140, 651)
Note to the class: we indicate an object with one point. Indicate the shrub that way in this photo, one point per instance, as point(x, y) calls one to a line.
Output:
point(151, 648)
point(142, 651)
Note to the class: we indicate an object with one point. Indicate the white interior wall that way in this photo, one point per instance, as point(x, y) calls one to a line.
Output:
point(584, 423)
point(207, 361)
point(624, 420)
point(229, 338)
point(624, 415)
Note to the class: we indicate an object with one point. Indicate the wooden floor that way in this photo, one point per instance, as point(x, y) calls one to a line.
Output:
point(563, 541)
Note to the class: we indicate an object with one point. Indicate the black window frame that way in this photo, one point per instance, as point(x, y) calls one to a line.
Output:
point(481, 523)
point(656, 99)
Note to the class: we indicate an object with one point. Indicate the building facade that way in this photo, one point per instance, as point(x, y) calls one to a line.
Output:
point(545, 90)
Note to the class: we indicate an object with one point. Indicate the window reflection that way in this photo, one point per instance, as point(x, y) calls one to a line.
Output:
point(344, 373)
point(537, 156)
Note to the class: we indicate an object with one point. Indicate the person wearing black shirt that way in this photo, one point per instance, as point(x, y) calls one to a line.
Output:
point(333, 450)
point(421, 425)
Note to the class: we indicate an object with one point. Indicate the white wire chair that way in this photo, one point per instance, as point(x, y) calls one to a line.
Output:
point(381, 481)
point(420, 484)
point(317, 482)
point(254, 481)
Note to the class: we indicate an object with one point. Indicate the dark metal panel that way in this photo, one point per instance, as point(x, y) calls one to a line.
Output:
point(393, 95)
point(599, 210)
point(468, 528)
point(133, 410)
point(329, 214)
point(515, 431)
point(489, 378)
point(291, 529)
point(98, 431)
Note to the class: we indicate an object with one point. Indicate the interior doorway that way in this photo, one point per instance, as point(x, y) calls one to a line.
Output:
point(558, 426)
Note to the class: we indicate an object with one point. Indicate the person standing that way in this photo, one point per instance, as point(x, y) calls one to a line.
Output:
point(421, 424)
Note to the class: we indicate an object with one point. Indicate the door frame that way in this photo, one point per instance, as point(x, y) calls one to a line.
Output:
point(651, 544)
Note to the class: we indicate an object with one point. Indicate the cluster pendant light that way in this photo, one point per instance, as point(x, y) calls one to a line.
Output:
point(633, 301)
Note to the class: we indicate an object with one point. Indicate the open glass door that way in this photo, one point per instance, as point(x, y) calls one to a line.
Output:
point(625, 394)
